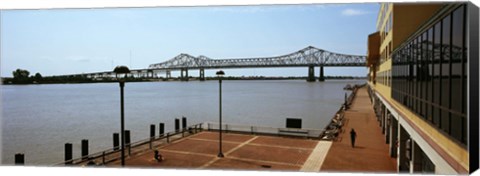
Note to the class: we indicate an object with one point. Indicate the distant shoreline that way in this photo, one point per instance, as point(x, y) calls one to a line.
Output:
point(57, 80)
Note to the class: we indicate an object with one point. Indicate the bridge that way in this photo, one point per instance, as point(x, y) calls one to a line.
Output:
point(310, 57)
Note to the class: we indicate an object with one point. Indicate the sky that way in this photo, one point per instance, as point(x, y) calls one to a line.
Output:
point(71, 41)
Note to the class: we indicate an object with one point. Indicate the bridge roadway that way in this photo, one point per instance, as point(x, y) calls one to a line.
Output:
point(310, 57)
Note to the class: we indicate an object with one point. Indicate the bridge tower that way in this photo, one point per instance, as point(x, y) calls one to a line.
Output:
point(202, 74)
point(321, 78)
point(311, 73)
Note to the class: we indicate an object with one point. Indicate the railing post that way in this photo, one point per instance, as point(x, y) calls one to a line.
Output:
point(19, 159)
point(168, 137)
point(103, 157)
point(184, 122)
point(84, 149)
point(152, 131)
point(68, 153)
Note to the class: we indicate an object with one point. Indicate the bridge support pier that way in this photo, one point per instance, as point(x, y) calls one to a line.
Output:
point(311, 74)
point(182, 77)
point(169, 74)
point(321, 78)
point(202, 74)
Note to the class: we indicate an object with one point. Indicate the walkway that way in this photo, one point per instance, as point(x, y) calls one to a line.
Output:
point(371, 152)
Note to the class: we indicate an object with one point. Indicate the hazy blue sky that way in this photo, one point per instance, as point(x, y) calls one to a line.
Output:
point(68, 41)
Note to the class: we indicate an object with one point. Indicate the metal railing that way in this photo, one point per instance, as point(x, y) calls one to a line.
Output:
point(113, 154)
point(263, 130)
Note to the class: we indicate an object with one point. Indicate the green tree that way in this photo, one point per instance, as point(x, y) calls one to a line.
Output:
point(37, 77)
point(20, 76)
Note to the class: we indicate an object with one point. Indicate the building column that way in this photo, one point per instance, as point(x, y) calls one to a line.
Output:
point(311, 74)
point(387, 126)
point(402, 160)
point(417, 158)
point(393, 137)
point(202, 74)
point(321, 78)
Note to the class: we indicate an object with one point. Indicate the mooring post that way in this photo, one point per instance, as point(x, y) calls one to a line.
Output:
point(84, 149)
point(177, 124)
point(161, 127)
point(116, 143)
point(68, 153)
point(19, 159)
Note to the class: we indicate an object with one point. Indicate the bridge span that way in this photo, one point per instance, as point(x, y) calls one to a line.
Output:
point(310, 57)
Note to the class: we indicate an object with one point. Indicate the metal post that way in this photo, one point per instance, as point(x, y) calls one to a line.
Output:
point(19, 159)
point(68, 153)
point(122, 123)
point(84, 149)
point(220, 153)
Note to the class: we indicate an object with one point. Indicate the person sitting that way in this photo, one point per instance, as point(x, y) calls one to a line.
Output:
point(158, 156)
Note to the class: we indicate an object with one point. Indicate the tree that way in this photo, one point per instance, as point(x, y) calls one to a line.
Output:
point(38, 77)
point(21, 76)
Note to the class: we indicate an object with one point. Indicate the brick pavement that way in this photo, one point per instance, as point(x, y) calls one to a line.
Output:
point(371, 152)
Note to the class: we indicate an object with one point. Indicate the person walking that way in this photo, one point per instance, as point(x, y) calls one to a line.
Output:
point(353, 135)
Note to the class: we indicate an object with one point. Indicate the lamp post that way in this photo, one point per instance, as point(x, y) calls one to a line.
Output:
point(121, 73)
point(220, 74)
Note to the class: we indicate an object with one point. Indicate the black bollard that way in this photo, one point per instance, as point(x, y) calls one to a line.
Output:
point(19, 159)
point(68, 153)
point(84, 149)
point(127, 137)
point(184, 122)
point(177, 124)
point(161, 127)
point(152, 131)
point(116, 143)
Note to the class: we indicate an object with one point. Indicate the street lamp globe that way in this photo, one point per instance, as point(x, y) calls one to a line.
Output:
point(121, 72)
point(220, 73)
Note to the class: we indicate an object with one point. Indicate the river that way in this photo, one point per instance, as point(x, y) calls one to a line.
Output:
point(38, 120)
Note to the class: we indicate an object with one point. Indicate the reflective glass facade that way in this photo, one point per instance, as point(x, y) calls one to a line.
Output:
point(429, 75)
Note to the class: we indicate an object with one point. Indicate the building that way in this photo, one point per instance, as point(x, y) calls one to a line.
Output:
point(421, 63)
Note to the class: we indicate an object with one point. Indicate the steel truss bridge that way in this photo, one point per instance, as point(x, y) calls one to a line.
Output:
point(308, 57)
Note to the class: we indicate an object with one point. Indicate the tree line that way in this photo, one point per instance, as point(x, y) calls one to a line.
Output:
point(21, 76)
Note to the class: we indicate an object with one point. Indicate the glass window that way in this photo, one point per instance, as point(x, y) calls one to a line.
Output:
point(445, 81)
point(436, 59)
point(457, 55)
